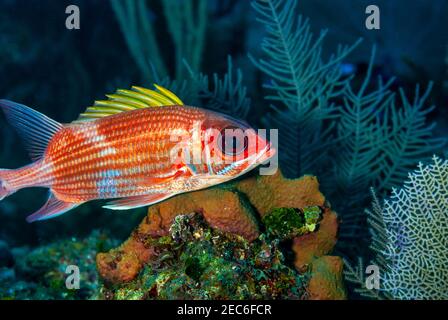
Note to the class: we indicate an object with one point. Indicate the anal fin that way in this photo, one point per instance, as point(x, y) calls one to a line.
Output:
point(53, 208)
point(138, 201)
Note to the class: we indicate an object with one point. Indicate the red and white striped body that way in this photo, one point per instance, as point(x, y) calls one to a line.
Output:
point(114, 157)
point(140, 156)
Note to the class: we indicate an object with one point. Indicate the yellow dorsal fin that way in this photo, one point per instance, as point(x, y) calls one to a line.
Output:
point(126, 100)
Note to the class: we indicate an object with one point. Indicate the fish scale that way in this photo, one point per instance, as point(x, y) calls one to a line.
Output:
point(148, 142)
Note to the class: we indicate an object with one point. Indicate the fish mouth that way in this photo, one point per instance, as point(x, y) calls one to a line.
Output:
point(267, 153)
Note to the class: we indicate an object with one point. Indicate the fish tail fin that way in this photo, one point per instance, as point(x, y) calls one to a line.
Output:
point(5, 189)
point(35, 128)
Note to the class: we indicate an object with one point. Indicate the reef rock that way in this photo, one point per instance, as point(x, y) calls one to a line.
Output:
point(251, 213)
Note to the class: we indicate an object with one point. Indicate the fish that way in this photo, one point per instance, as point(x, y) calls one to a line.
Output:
point(136, 148)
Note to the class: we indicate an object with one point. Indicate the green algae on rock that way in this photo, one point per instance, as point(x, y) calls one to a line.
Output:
point(198, 262)
point(287, 223)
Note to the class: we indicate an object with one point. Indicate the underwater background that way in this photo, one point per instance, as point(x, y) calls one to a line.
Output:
point(357, 108)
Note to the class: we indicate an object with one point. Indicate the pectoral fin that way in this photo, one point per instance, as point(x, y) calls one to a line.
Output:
point(138, 202)
point(160, 180)
point(53, 208)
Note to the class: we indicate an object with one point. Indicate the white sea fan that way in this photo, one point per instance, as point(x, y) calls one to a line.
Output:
point(410, 237)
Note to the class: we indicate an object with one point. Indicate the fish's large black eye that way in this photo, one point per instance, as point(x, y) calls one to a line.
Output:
point(233, 141)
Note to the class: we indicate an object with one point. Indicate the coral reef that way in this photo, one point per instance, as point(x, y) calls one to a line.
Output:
point(287, 223)
point(350, 115)
point(409, 238)
point(326, 281)
point(40, 273)
point(211, 244)
point(197, 262)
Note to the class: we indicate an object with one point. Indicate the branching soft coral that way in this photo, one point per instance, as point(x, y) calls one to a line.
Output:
point(182, 18)
point(410, 237)
point(227, 94)
point(302, 83)
point(380, 138)
point(133, 17)
point(351, 138)
point(224, 93)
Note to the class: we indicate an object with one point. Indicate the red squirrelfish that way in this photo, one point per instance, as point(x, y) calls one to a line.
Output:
point(139, 147)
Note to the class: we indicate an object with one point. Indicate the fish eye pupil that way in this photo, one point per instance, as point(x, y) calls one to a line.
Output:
point(233, 141)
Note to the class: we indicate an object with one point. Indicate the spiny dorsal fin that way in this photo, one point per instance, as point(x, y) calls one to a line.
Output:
point(125, 100)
